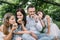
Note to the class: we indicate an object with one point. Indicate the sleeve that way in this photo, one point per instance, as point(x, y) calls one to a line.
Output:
point(2, 36)
point(27, 26)
point(38, 26)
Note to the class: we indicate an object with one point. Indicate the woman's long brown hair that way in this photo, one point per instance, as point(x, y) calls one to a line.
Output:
point(6, 23)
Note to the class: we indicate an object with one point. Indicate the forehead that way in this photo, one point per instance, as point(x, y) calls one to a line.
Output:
point(39, 12)
point(12, 17)
point(31, 9)
point(18, 13)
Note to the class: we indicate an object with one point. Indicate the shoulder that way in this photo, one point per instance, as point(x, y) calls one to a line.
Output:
point(1, 31)
point(1, 27)
point(27, 17)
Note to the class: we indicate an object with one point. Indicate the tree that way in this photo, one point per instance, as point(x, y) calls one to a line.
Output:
point(48, 6)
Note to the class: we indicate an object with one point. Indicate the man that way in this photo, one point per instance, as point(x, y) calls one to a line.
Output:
point(33, 24)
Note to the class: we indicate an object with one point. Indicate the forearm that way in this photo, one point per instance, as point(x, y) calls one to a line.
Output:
point(49, 29)
point(33, 35)
point(22, 32)
point(42, 23)
point(48, 19)
point(24, 28)
point(9, 36)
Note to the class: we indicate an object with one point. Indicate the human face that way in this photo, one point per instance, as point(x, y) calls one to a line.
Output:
point(40, 14)
point(12, 20)
point(19, 15)
point(31, 11)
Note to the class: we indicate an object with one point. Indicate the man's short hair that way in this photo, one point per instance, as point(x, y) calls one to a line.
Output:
point(30, 6)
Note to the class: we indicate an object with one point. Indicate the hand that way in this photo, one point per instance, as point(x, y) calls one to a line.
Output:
point(31, 32)
point(19, 21)
point(14, 27)
point(48, 33)
point(36, 18)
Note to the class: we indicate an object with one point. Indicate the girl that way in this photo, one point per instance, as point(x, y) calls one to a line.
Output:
point(40, 17)
point(51, 28)
point(8, 26)
point(21, 30)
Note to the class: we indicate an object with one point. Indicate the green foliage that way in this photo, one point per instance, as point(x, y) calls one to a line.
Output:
point(57, 23)
point(12, 5)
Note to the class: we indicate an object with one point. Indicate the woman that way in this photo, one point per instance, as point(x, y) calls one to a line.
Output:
point(21, 30)
point(41, 16)
point(51, 28)
point(8, 26)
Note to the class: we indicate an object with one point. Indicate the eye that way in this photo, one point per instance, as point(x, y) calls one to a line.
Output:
point(19, 15)
point(38, 13)
point(12, 19)
point(33, 11)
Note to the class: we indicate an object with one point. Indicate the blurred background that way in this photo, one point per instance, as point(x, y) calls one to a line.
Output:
point(50, 7)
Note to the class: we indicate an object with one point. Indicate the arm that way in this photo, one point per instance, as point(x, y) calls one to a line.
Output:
point(33, 35)
point(6, 37)
point(48, 19)
point(22, 24)
point(23, 27)
point(22, 32)
point(42, 23)
point(27, 32)
point(9, 36)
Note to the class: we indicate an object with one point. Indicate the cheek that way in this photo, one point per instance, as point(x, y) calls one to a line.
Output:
point(18, 16)
point(21, 17)
point(33, 12)
point(11, 22)
point(30, 12)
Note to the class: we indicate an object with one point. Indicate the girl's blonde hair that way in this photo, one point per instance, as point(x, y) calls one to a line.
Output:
point(6, 23)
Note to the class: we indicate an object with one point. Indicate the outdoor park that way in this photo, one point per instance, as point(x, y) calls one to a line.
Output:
point(34, 24)
point(50, 7)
